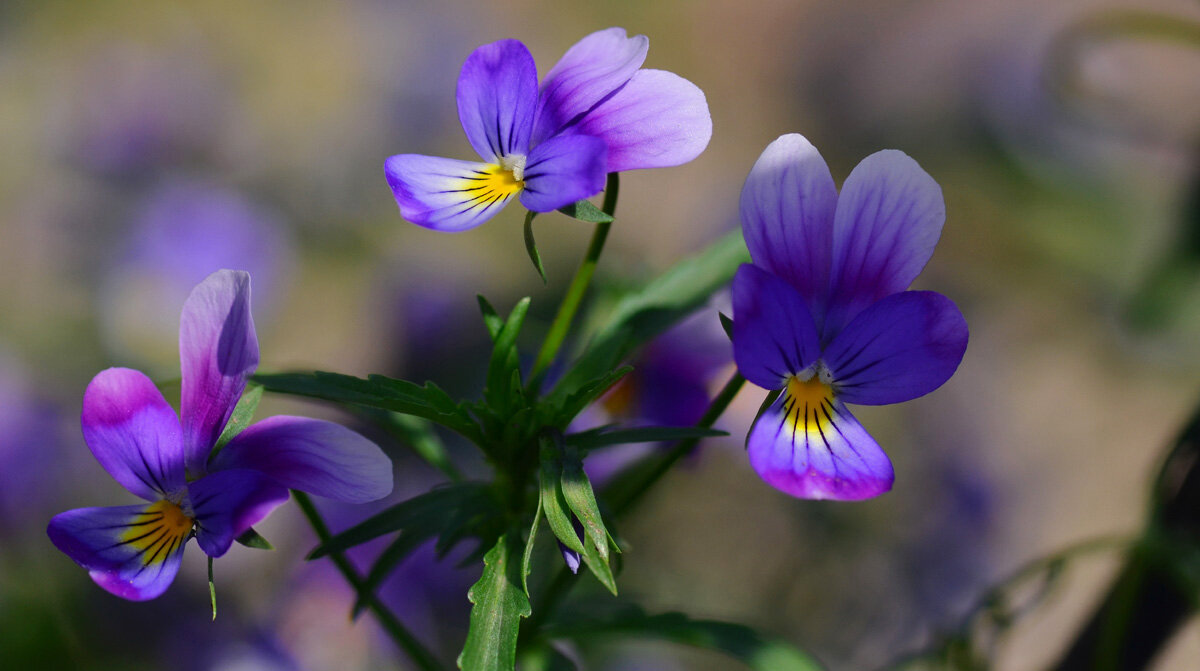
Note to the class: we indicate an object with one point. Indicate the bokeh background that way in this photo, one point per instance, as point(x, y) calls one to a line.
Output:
point(146, 144)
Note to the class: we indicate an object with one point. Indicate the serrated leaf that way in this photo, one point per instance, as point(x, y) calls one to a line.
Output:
point(243, 414)
point(584, 210)
point(252, 539)
point(577, 491)
point(504, 359)
point(604, 437)
point(499, 605)
point(531, 246)
point(491, 319)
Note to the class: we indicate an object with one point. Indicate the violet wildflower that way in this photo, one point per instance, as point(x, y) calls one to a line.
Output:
point(596, 112)
point(135, 551)
point(823, 313)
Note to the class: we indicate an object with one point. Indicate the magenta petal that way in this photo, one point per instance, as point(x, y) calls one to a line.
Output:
point(445, 194)
point(133, 433)
point(311, 455)
point(497, 97)
point(773, 332)
point(787, 208)
point(657, 120)
point(902, 347)
point(889, 218)
point(563, 170)
point(126, 549)
point(227, 503)
point(592, 69)
point(818, 453)
point(218, 350)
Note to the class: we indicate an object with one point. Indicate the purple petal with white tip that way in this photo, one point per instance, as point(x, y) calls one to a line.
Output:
point(448, 195)
point(227, 503)
point(592, 69)
point(774, 336)
point(311, 455)
point(218, 350)
point(497, 98)
point(902, 347)
point(134, 433)
point(563, 170)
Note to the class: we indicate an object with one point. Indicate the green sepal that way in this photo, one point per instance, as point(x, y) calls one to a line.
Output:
point(531, 246)
point(252, 539)
point(491, 319)
point(577, 490)
point(499, 603)
point(243, 414)
point(726, 324)
point(584, 210)
point(554, 504)
point(599, 567)
point(605, 436)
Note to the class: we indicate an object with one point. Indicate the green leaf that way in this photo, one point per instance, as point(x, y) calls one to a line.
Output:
point(531, 246)
point(570, 405)
point(599, 567)
point(252, 539)
point(554, 505)
point(491, 318)
point(504, 360)
point(243, 414)
point(577, 490)
point(605, 436)
point(529, 544)
point(418, 434)
point(499, 605)
point(583, 210)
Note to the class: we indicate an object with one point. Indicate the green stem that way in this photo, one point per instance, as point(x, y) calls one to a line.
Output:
point(579, 285)
point(419, 654)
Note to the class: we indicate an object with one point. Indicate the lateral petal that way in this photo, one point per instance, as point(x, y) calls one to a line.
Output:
point(497, 98)
point(904, 346)
point(563, 170)
point(774, 336)
point(448, 195)
point(227, 503)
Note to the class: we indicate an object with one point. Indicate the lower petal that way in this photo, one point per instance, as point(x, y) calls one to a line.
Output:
point(133, 552)
point(448, 195)
point(818, 451)
point(227, 503)
point(563, 170)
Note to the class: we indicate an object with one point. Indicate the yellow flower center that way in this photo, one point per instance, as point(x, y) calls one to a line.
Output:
point(808, 405)
point(158, 531)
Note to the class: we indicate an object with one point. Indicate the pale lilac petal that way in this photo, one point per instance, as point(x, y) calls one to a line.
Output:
point(902, 347)
point(132, 551)
point(227, 503)
point(592, 69)
point(657, 120)
point(819, 452)
point(134, 433)
point(311, 455)
point(787, 209)
point(889, 218)
point(774, 336)
point(497, 98)
point(218, 350)
point(563, 170)
point(448, 195)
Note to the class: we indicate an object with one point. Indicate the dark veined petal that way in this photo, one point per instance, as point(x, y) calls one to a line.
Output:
point(904, 346)
point(218, 350)
point(774, 336)
point(497, 98)
point(448, 195)
point(311, 455)
point(787, 208)
point(656, 120)
point(134, 433)
point(227, 503)
point(563, 170)
point(591, 70)
point(131, 551)
point(889, 218)
point(808, 445)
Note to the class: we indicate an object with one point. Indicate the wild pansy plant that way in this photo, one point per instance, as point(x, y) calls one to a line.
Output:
point(823, 315)
point(195, 490)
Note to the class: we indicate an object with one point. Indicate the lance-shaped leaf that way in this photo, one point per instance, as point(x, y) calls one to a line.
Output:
point(527, 559)
point(554, 504)
point(584, 210)
point(499, 604)
point(491, 319)
point(605, 436)
point(504, 360)
point(577, 490)
point(252, 539)
point(243, 414)
point(531, 246)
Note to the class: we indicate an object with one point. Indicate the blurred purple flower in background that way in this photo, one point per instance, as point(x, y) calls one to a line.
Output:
point(135, 551)
point(596, 112)
point(823, 314)
point(32, 458)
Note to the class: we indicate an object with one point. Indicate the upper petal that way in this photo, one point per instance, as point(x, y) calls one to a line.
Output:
point(132, 551)
point(889, 218)
point(497, 97)
point(448, 195)
point(563, 170)
point(593, 68)
point(773, 333)
point(787, 209)
point(656, 120)
point(134, 433)
point(311, 455)
point(902, 347)
point(227, 503)
point(218, 350)
point(817, 451)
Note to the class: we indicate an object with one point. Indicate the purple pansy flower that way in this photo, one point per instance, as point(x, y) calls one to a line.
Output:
point(135, 551)
point(823, 313)
point(595, 113)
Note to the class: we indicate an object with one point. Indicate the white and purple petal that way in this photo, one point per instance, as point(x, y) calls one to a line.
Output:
point(497, 98)
point(774, 336)
point(448, 195)
point(904, 346)
point(132, 551)
point(590, 71)
point(817, 451)
point(787, 208)
point(134, 433)
point(218, 350)
point(889, 218)
point(311, 455)
point(227, 503)
point(563, 170)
